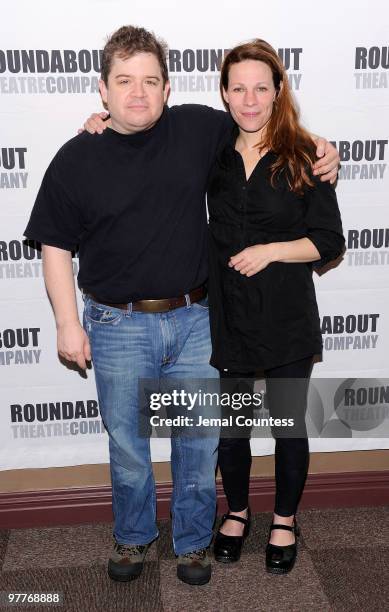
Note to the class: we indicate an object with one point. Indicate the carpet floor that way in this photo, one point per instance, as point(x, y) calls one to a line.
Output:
point(342, 565)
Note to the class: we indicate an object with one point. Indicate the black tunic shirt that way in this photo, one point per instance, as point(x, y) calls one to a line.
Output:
point(270, 318)
point(134, 205)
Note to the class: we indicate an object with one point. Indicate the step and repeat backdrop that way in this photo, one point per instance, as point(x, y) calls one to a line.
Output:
point(338, 67)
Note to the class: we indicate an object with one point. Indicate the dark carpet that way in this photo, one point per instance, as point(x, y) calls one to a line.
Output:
point(342, 564)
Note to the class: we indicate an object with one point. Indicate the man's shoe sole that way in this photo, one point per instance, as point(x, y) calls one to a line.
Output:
point(194, 580)
point(123, 574)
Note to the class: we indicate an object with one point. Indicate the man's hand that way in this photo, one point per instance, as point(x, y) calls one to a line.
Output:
point(328, 164)
point(253, 259)
point(95, 123)
point(73, 344)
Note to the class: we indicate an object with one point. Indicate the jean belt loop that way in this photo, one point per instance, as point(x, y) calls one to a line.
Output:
point(129, 309)
point(187, 299)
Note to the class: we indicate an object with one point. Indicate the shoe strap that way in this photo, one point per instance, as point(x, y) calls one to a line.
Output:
point(232, 517)
point(286, 527)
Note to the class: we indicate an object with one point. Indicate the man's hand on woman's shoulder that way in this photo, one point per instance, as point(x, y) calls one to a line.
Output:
point(328, 163)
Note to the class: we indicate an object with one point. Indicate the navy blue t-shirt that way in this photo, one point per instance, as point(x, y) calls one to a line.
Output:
point(134, 205)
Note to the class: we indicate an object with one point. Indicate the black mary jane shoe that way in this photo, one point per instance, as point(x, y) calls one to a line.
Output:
point(281, 559)
point(227, 549)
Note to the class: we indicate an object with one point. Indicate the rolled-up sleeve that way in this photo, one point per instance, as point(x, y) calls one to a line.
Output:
point(323, 221)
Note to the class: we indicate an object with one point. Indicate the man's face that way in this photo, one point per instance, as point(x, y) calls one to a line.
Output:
point(135, 95)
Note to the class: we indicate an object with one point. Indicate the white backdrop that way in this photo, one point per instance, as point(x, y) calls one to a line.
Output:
point(338, 65)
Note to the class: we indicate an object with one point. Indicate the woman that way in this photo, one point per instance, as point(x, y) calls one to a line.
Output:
point(270, 218)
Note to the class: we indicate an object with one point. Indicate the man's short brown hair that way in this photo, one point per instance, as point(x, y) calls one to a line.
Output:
point(129, 40)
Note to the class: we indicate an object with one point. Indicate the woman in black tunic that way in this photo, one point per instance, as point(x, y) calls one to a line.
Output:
point(269, 219)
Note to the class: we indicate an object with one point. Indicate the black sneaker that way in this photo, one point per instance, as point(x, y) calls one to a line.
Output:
point(126, 561)
point(194, 567)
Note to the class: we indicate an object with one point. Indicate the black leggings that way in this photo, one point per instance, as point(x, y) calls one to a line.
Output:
point(291, 454)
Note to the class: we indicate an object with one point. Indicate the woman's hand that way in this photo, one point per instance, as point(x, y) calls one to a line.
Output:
point(253, 259)
point(95, 123)
point(256, 258)
point(328, 164)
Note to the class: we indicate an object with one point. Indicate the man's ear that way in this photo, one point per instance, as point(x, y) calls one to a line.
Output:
point(103, 93)
point(166, 91)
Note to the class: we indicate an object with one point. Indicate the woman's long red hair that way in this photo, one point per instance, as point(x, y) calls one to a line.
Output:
point(295, 149)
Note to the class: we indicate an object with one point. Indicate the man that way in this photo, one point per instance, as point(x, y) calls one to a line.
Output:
point(132, 201)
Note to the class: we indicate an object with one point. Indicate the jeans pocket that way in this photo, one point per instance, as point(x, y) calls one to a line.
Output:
point(98, 313)
point(203, 303)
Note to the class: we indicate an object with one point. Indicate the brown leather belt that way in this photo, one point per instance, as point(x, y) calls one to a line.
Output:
point(163, 305)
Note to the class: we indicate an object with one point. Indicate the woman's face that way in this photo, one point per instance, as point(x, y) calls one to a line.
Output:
point(250, 94)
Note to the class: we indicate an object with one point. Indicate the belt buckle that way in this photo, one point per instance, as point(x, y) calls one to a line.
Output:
point(154, 305)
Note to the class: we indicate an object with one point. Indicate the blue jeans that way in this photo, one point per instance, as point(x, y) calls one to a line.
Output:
point(127, 346)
